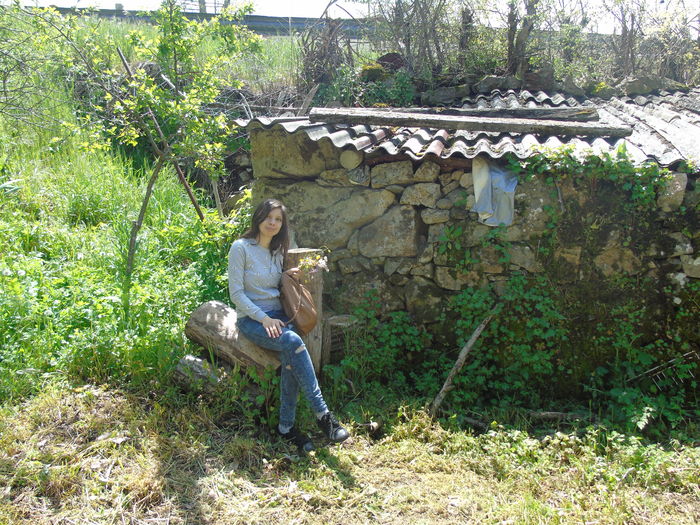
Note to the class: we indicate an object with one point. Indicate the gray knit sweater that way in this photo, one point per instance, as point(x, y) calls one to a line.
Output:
point(253, 278)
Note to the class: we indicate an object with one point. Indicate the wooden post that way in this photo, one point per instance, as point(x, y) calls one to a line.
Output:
point(314, 282)
point(325, 343)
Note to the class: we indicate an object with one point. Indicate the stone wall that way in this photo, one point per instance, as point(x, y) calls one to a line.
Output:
point(383, 223)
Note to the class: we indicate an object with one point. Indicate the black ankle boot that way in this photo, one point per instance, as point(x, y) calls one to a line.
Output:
point(301, 440)
point(332, 429)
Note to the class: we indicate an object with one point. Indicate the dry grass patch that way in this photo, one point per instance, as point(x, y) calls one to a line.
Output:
point(98, 455)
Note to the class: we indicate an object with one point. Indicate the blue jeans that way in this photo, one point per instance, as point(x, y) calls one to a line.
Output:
point(297, 368)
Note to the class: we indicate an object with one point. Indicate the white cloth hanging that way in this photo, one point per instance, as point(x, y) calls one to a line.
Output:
point(494, 192)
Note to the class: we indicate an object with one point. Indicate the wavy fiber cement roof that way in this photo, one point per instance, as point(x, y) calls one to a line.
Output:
point(665, 128)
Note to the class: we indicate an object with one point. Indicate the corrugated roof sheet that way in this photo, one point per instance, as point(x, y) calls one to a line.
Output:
point(665, 128)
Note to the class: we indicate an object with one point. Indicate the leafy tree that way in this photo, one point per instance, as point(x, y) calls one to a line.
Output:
point(164, 101)
point(416, 29)
point(25, 68)
point(671, 48)
point(567, 24)
point(629, 18)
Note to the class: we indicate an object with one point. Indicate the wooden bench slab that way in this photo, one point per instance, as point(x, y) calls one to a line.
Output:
point(213, 325)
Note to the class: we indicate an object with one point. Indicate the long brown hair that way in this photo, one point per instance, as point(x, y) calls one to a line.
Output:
point(281, 240)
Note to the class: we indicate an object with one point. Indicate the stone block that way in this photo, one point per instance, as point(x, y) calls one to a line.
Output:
point(490, 260)
point(281, 155)
point(616, 260)
point(392, 173)
point(424, 300)
point(643, 85)
point(359, 176)
point(513, 233)
point(680, 245)
point(434, 232)
point(457, 196)
point(443, 204)
point(326, 216)
point(523, 257)
point(450, 186)
point(457, 175)
point(467, 180)
point(458, 213)
point(427, 172)
point(395, 189)
point(423, 270)
point(445, 177)
point(399, 265)
point(433, 216)
point(354, 265)
point(451, 279)
point(570, 255)
point(491, 82)
point(422, 194)
point(672, 195)
point(691, 265)
point(426, 255)
point(394, 234)
point(354, 288)
point(443, 96)
point(338, 177)
point(337, 255)
point(398, 280)
point(353, 243)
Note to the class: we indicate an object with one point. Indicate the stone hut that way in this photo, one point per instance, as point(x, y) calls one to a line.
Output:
point(381, 198)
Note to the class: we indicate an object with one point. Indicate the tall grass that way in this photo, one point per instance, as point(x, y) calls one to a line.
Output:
point(64, 225)
point(274, 68)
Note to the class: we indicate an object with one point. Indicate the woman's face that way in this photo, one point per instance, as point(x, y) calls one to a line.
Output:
point(272, 224)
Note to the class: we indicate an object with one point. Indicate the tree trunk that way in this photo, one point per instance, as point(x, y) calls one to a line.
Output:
point(466, 30)
point(578, 114)
point(512, 65)
point(463, 353)
point(518, 59)
point(351, 159)
point(217, 196)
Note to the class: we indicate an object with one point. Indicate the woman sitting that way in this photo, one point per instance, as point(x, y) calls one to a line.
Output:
point(254, 271)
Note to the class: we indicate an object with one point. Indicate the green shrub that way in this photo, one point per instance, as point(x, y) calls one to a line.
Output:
point(351, 89)
point(381, 354)
point(513, 362)
point(372, 72)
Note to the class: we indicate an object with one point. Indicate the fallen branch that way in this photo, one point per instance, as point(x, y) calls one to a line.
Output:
point(475, 423)
point(558, 416)
point(463, 353)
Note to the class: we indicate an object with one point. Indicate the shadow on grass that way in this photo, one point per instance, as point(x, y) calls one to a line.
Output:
point(201, 448)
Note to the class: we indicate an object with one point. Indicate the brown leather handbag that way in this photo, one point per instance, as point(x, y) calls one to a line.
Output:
point(298, 303)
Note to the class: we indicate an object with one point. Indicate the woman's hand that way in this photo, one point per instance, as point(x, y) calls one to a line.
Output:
point(295, 272)
point(273, 327)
